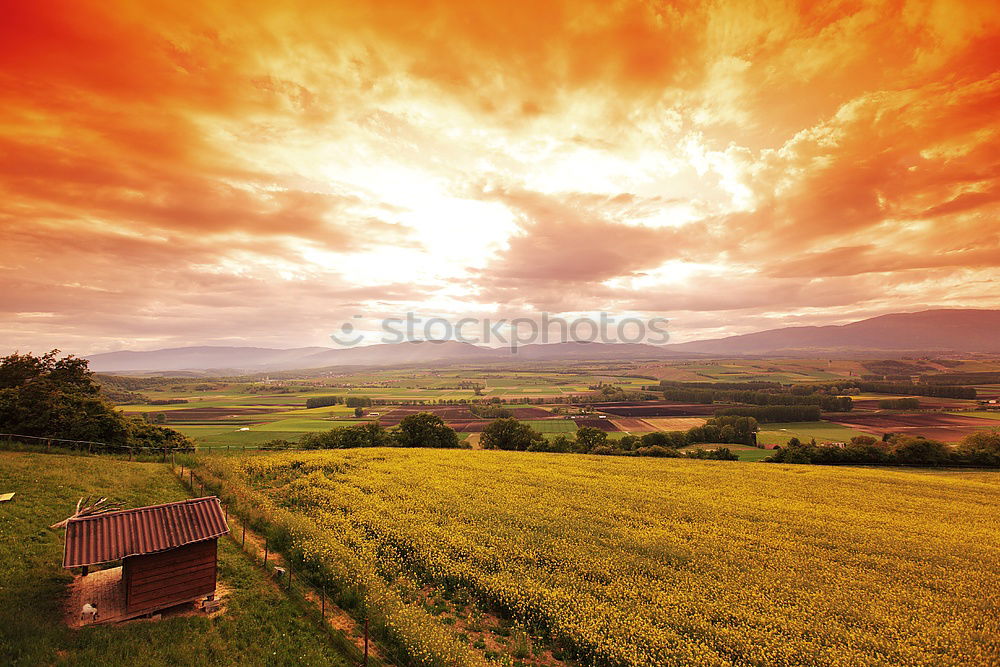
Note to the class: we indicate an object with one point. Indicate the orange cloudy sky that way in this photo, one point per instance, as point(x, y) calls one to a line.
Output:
point(211, 172)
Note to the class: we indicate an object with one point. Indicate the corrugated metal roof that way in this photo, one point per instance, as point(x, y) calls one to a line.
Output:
point(144, 530)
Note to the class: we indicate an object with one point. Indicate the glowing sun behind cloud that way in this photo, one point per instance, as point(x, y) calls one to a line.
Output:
point(215, 172)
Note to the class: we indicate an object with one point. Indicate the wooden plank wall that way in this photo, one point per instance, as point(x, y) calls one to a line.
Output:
point(160, 580)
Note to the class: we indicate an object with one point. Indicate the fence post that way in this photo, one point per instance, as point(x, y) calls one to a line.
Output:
point(289, 576)
point(243, 543)
point(322, 601)
point(265, 553)
point(366, 639)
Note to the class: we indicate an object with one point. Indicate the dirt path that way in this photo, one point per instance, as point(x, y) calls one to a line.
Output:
point(253, 545)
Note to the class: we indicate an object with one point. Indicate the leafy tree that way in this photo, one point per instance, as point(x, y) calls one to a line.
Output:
point(720, 454)
point(507, 433)
point(629, 443)
point(655, 439)
point(908, 449)
point(982, 448)
point(588, 437)
point(371, 434)
point(559, 444)
point(322, 439)
point(424, 429)
point(55, 397)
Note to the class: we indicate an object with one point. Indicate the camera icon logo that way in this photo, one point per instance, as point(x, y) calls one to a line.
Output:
point(347, 336)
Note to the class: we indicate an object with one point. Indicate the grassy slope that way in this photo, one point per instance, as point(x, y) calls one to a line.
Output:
point(259, 627)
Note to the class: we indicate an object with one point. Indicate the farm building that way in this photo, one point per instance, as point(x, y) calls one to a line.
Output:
point(168, 554)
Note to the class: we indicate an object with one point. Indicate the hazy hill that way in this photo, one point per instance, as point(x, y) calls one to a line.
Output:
point(929, 330)
point(932, 330)
point(238, 359)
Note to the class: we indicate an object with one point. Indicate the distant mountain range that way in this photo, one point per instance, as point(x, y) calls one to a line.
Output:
point(930, 331)
point(256, 359)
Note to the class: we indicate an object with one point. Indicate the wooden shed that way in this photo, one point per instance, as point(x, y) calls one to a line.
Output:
point(168, 552)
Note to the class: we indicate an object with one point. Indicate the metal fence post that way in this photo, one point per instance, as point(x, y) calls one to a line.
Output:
point(366, 640)
point(244, 542)
point(265, 553)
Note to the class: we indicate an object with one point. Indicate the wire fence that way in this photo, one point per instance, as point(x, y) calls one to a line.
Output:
point(314, 599)
point(132, 451)
point(94, 447)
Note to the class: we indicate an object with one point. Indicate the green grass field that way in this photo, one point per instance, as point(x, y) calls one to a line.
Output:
point(779, 434)
point(259, 627)
point(515, 383)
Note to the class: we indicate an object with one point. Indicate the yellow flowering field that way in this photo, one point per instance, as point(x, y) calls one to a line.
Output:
point(650, 561)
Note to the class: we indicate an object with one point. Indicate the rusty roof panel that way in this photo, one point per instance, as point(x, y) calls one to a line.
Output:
point(144, 530)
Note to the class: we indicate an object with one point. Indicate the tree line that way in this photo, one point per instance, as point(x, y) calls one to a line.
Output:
point(489, 410)
point(424, 429)
point(976, 449)
point(349, 401)
point(971, 377)
point(421, 429)
point(828, 402)
point(918, 389)
point(510, 434)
